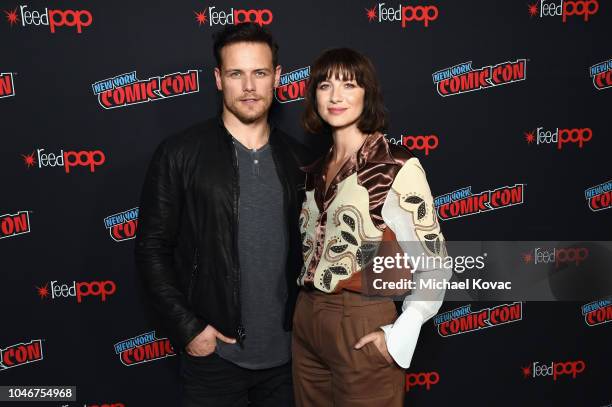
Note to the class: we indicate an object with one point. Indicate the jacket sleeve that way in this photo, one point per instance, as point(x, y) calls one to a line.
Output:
point(409, 212)
point(158, 227)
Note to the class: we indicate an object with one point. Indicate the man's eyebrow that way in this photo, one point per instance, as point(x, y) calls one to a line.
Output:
point(232, 70)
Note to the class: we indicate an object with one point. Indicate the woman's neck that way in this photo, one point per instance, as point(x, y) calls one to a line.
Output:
point(347, 141)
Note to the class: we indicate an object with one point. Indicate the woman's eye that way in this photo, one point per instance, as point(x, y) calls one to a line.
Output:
point(323, 86)
point(350, 85)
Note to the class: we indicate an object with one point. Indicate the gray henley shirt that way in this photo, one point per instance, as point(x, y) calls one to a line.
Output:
point(262, 251)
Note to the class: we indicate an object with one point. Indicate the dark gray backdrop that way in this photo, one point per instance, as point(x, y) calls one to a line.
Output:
point(481, 144)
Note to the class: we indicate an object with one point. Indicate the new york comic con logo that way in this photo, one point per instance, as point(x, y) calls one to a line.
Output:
point(404, 14)
point(597, 312)
point(21, 354)
point(464, 78)
point(122, 226)
point(126, 89)
point(292, 86)
point(51, 18)
point(7, 86)
point(463, 202)
point(233, 16)
point(602, 75)
point(599, 197)
point(14, 224)
point(564, 9)
point(143, 348)
point(463, 320)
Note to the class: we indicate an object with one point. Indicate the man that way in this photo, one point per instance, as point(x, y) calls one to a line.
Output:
point(218, 244)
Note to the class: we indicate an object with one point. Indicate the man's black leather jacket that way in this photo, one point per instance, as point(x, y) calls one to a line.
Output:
point(186, 243)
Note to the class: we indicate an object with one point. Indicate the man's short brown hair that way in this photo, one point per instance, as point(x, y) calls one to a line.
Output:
point(243, 32)
point(346, 64)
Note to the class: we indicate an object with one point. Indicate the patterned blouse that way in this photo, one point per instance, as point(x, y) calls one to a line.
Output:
point(380, 194)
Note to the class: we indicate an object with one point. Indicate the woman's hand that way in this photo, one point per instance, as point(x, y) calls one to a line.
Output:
point(380, 342)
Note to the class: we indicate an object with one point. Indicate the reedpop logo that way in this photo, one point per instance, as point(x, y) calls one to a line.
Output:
point(50, 18)
point(555, 369)
point(422, 379)
point(564, 9)
point(569, 255)
point(404, 14)
point(78, 290)
point(427, 142)
point(66, 159)
point(559, 136)
point(233, 16)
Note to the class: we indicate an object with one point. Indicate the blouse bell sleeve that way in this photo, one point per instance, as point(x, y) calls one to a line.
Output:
point(409, 212)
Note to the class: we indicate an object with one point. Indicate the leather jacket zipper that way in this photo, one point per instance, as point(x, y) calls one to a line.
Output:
point(240, 331)
point(194, 272)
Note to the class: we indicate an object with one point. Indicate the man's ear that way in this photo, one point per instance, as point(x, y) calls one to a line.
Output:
point(218, 78)
point(277, 74)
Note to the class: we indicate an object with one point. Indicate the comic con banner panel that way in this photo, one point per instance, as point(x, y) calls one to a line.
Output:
point(505, 103)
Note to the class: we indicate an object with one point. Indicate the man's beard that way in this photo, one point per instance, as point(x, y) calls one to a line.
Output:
point(246, 115)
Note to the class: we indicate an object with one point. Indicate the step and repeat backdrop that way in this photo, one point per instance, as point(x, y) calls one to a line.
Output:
point(506, 104)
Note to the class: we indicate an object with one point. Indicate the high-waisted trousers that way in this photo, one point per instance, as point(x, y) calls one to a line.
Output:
point(327, 369)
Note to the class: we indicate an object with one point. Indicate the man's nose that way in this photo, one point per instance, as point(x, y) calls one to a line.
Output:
point(248, 83)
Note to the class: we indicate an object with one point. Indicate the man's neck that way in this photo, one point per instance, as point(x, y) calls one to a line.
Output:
point(252, 135)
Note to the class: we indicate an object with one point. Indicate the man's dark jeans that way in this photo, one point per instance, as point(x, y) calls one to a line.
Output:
point(213, 381)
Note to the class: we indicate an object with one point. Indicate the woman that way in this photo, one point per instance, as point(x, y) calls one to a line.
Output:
point(349, 350)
